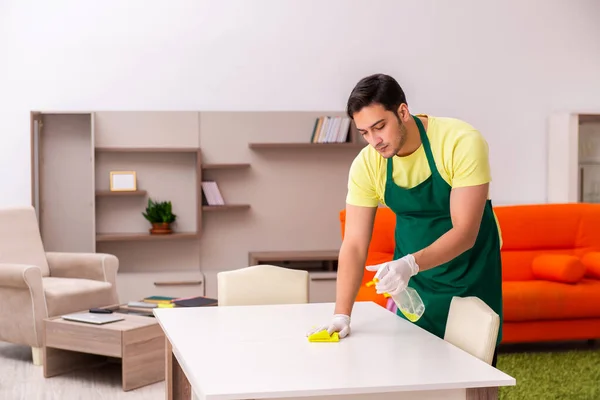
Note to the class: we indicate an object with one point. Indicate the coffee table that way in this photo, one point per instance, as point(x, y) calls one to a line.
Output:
point(137, 340)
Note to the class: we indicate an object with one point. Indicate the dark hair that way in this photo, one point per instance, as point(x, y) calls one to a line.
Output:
point(376, 89)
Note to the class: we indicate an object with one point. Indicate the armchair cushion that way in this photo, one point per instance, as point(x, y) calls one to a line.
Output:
point(65, 295)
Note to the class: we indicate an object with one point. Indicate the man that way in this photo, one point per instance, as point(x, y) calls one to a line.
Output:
point(434, 174)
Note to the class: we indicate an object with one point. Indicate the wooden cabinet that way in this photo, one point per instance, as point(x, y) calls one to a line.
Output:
point(322, 287)
point(134, 286)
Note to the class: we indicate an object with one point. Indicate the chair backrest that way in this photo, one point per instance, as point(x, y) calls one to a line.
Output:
point(473, 327)
point(20, 239)
point(262, 284)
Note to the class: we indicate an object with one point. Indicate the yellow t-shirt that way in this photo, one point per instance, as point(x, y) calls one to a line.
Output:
point(460, 152)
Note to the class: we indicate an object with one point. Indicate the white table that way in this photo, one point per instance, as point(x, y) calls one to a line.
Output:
point(260, 352)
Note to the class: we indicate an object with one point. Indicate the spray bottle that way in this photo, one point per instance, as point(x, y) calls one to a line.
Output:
point(408, 302)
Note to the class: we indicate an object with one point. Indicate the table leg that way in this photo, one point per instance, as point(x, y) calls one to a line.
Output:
point(177, 385)
point(489, 393)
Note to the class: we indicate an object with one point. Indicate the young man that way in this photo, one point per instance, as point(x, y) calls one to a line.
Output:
point(434, 174)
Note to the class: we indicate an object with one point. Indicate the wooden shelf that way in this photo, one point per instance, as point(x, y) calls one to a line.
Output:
point(283, 145)
point(317, 262)
point(148, 149)
point(126, 237)
point(108, 193)
point(299, 255)
point(226, 166)
point(226, 207)
point(589, 118)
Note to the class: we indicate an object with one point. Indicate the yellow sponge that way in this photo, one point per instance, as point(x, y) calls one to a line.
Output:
point(323, 336)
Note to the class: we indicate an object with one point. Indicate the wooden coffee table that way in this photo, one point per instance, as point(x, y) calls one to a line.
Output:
point(138, 341)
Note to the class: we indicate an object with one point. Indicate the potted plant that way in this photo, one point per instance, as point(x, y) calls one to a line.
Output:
point(160, 215)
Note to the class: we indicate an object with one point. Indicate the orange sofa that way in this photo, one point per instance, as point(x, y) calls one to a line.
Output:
point(550, 267)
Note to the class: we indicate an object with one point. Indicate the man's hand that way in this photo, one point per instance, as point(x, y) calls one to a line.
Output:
point(340, 323)
point(393, 276)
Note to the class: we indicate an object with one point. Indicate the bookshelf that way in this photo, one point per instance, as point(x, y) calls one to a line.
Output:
point(226, 207)
point(212, 192)
point(225, 166)
point(112, 237)
point(172, 153)
point(339, 133)
point(182, 166)
point(144, 149)
point(267, 146)
point(100, 193)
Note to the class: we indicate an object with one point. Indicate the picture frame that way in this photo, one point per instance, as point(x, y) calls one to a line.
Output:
point(123, 181)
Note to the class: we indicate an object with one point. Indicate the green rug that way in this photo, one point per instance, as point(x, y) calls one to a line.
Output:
point(572, 375)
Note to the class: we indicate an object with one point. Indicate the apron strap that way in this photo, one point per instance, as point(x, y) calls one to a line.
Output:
point(426, 147)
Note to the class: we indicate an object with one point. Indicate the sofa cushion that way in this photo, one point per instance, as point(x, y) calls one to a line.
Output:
point(516, 265)
point(540, 226)
point(545, 300)
point(66, 295)
point(591, 261)
point(558, 268)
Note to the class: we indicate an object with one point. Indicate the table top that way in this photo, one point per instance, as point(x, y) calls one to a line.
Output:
point(130, 321)
point(239, 352)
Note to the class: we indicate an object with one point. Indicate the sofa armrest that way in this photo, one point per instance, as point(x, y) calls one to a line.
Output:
point(94, 266)
point(23, 308)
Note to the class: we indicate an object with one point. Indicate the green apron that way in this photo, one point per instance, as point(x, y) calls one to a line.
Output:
point(422, 216)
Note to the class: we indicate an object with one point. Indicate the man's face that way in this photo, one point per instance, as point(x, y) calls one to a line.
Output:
point(382, 129)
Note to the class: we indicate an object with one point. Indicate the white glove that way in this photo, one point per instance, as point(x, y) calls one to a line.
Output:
point(340, 323)
point(393, 276)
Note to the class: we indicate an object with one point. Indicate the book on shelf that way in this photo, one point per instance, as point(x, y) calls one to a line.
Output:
point(329, 129)
point(211, 195)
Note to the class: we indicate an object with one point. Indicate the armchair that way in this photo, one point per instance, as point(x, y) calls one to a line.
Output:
point(35, 284)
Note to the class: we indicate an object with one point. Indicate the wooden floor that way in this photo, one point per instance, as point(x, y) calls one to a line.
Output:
point(21, 380)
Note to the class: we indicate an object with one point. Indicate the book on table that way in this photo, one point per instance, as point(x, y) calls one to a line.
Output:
point(167, 302)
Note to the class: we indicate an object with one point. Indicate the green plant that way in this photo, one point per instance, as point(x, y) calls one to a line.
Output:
point(158, 212)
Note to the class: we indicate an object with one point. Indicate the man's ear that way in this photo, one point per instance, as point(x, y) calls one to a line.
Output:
point(403, 112)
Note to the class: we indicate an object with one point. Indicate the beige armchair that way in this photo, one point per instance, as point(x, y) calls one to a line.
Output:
point(35, 284)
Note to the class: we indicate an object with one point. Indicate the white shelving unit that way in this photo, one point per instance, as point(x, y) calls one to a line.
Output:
point(573, 166)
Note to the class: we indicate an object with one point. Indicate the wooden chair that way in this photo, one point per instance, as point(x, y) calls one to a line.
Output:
point(262, 284)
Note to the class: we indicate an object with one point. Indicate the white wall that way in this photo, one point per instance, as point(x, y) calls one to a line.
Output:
point(503, 66)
